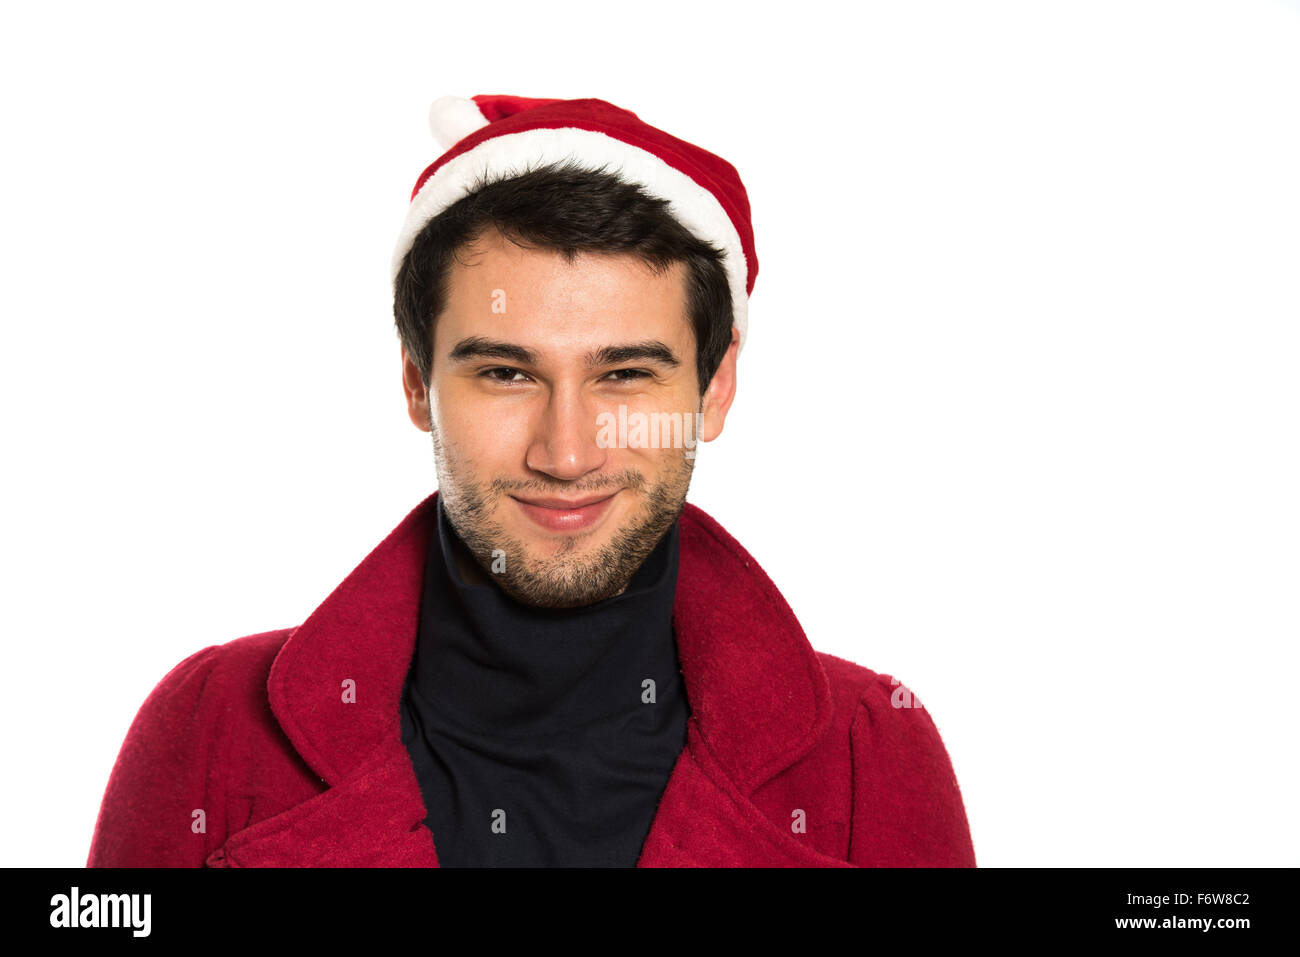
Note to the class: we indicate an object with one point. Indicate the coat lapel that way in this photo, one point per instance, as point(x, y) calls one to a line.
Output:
point(759, 701)
point(373, 817)
point(705, 821)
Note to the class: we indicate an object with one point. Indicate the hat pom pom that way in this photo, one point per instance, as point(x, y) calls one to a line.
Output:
point(452, 118)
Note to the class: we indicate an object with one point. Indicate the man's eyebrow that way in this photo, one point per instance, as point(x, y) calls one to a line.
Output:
point(478, 347)
point(652, 350)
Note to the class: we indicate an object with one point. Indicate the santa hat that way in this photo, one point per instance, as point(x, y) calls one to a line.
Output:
point(488, 138)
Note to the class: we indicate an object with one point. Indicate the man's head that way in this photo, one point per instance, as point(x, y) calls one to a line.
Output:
point(535, 313)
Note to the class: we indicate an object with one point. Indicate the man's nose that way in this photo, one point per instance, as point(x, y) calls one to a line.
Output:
point(564, 442)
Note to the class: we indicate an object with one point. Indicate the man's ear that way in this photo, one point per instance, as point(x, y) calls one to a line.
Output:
point(417, 395)
point(720, 393)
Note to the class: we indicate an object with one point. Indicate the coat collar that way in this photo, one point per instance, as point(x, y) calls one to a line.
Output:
point(758, 695)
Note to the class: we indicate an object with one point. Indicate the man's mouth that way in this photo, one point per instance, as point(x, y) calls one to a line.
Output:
point(565, 515)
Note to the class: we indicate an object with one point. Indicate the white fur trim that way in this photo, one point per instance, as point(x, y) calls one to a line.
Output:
point(452, 118)
point(691, 204)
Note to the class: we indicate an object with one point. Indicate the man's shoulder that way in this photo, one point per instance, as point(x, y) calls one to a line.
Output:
point(251, 653)
point(877, 708)
point(847, 678)
point(903, 780)
point(856, 685)
point(233, 663)
point(212, 691)
point(189, 752)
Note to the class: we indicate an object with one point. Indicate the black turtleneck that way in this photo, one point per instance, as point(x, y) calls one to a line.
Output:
point(530, 729)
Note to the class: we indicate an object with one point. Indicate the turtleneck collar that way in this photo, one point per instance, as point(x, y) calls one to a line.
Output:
point(486, 662)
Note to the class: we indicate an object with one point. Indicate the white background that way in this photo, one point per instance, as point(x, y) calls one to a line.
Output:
point(1017, 419)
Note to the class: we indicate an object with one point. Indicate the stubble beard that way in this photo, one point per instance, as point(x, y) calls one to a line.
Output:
point(568, 578)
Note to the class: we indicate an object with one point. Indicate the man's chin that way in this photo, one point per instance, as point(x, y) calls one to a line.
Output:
point(569, 570)
point(570, 582)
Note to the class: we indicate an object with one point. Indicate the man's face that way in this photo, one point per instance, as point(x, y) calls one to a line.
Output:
point(542, 372)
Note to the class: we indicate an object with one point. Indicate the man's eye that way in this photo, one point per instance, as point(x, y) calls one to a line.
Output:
point(502, 374)
point(629, 375)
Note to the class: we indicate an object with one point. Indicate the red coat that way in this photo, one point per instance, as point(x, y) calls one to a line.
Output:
point(792, 757)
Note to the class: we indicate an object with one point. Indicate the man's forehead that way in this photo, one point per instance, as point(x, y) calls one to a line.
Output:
point(540, 301)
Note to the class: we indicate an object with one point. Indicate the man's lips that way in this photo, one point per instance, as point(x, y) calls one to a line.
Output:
point(564, 503)
point(565, 515)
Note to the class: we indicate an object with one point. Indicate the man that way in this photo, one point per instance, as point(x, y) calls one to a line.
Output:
point(553, 660)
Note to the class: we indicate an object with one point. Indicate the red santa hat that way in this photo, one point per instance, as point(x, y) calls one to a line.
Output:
point(487, 138)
